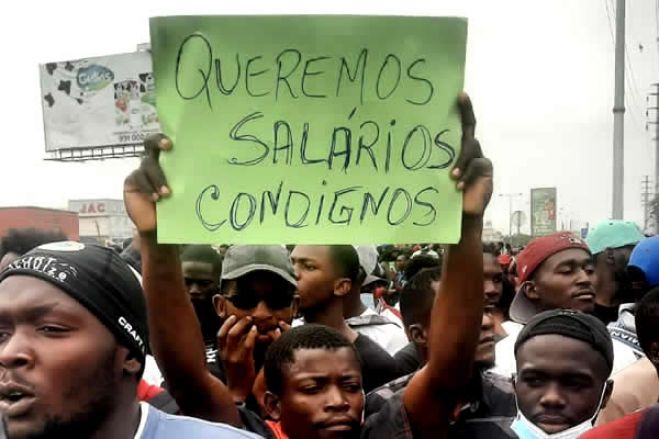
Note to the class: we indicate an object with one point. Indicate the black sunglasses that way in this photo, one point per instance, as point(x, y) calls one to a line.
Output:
point(248, 300)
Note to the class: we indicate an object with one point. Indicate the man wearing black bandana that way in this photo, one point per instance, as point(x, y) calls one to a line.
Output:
point(73, 341)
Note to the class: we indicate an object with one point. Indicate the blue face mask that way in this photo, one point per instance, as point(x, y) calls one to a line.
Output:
point(525, 429)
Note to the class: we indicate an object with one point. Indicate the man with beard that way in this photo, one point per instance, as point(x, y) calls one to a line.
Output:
point(487, 404)
point(611, 243)
point(73, 340)
point(643, 275)
point(554, 272)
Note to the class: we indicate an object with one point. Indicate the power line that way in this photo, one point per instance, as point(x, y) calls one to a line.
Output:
point(656, 22)
point(630, 78)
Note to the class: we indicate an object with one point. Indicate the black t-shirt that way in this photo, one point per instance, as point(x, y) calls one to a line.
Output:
point(408, 359)
point(378, 367)
point(606, 314)
point(488, 416)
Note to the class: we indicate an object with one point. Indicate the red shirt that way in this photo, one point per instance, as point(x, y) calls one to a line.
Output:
point(275, 427)
point(623, 428)
point(146, 391)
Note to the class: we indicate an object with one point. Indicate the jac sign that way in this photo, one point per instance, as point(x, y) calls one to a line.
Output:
point(97, 207)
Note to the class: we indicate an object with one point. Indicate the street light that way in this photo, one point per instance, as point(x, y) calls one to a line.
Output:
point(510, 197)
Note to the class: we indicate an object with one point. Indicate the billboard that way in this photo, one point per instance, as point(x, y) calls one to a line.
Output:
point(98, 107)
point(543, 211)
point(97, 207)
point(104, 220)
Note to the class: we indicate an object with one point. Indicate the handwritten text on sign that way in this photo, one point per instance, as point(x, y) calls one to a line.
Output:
point(309, 129)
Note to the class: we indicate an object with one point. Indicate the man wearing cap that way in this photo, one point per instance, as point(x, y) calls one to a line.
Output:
point(257, 301)
point(564, 359)
point(635, 412)
point(73, 340)
point(554, 272)
point(637, 383)
point(611, 243)
point(384, 330)
point(643, 274)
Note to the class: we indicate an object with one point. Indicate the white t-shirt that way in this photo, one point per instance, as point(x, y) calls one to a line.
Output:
point(504, 351)
point(386, 332)
point(152, 374)
point(505, 364)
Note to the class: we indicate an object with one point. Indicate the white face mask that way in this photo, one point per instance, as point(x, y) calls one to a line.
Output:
point(525, 429)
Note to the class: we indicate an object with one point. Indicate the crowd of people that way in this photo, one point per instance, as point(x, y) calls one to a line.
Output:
point(471, 340)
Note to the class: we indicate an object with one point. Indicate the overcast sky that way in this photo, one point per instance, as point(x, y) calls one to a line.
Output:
point(540, 74)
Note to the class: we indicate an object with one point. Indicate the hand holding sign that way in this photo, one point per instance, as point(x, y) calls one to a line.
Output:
point(317, 129)
point(472, 170)
point(148, 183)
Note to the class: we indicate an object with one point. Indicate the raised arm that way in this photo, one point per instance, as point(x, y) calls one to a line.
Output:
point(175, 335)
point(431, 397)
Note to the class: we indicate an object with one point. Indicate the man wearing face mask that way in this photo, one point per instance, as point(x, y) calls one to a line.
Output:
point(564, 359)
point(201, 266)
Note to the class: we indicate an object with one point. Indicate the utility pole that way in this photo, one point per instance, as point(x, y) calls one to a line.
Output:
point(619, 114)
point(645, 200)
point(655, 122)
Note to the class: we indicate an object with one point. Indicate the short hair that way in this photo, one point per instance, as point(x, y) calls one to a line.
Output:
point(345, 261)
point(418, 296)
point(21, 241)
point(647, 319)
point(418, 263)
point(573, 324)
point(202, 253)
point(281, 353)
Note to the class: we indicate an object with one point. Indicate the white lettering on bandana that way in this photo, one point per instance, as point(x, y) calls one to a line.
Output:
point(52, 267)
point(132, 332)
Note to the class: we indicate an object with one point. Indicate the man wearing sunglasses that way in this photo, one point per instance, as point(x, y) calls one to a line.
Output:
point(257, 301)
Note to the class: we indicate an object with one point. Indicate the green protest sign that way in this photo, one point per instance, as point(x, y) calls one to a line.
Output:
point(309, 129)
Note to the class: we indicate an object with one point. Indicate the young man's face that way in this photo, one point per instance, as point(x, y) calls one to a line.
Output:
point(485, 349)
point(492, 279)
point(565, 281)
point(322, 395)
point(202, 283)
point(200, 279)
point(560, 381)
point(315, 274)
point(61, 367)
point(264, 296)
point(401, 262)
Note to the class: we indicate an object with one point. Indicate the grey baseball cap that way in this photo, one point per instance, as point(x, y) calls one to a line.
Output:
point(240, 260)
